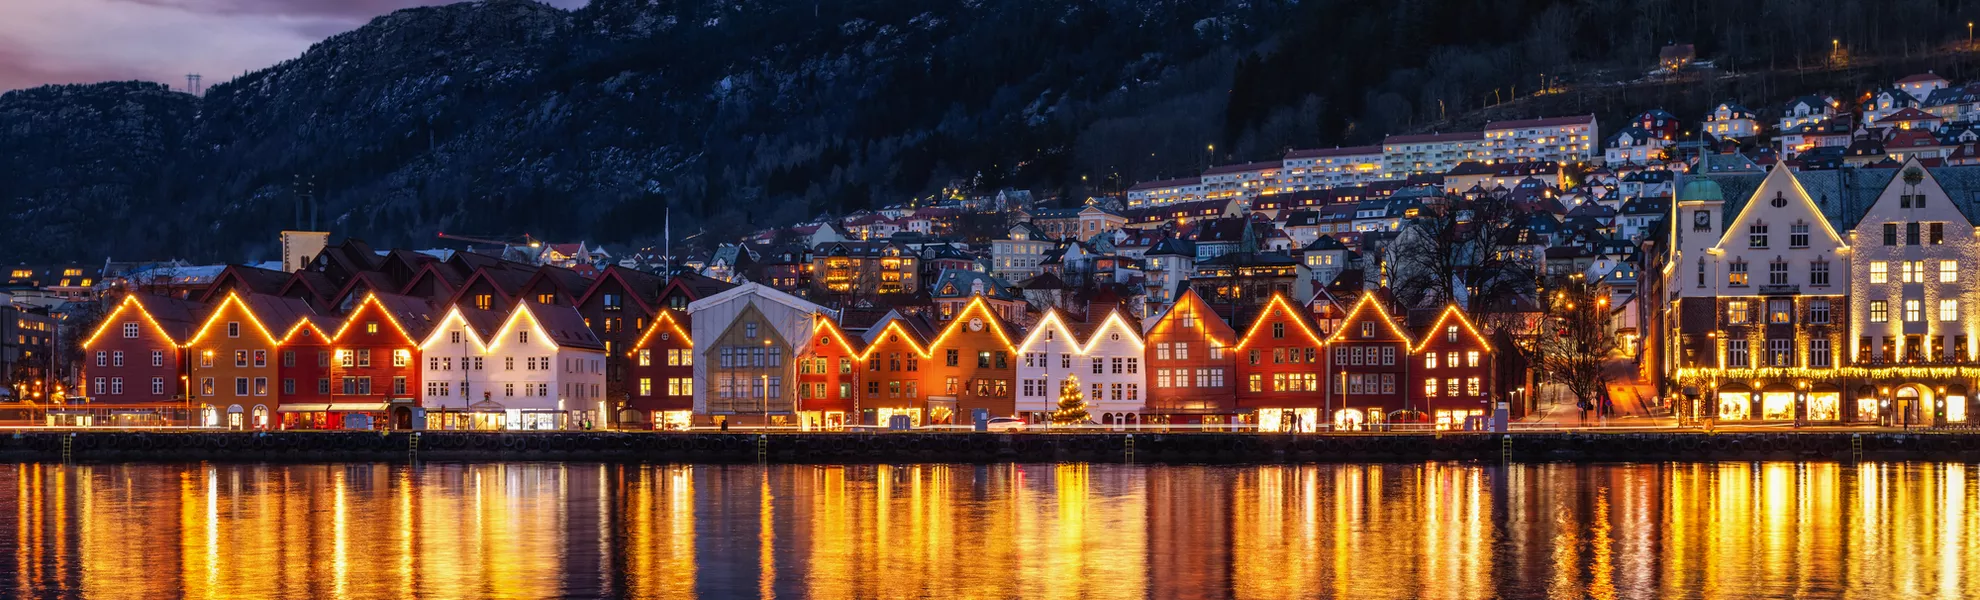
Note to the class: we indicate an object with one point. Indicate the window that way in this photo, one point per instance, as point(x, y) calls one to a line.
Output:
point(233, 329)
point(1948, 310)
point(1798, 235)
point(1756, 235)
point(1162, 351)
point(1890, 234)
point(1818, 311)
point(749, 330)
point(1430, 387)
point(1818, 353)
point(1471, 358)
point(1736, 312)
point(1471, 386)
point(1450, 333)
point(1912, 310)
point(1182, 351)
point(1780, 310)
point(1938, 234)
point(240, 358)
point(1367, 329)
point(1911, 271)
point(1388, 355)
point(1736, 354)
point(1430, 360)
point(1948, 271)
point(1701, 272)
point(1880, 272)
point(1818, 273)
point(117, 358)
point(954, 358)
point(522, 337)
point(116, 385)
point(1777, 272)
point(1736, 273)
point(1255, 383)
point(1880, 312)
point(1278, 331)
point(1779, 352)
point(158, 386)
point(1911, 234)
point(130, 330)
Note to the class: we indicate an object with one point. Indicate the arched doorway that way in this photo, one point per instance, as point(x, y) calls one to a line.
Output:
point(402, 417)
point(236, 417)
point(260, 416)
point(1869, 406)
point(1911, 404)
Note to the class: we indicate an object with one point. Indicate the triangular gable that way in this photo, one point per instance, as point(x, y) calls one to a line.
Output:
point(1209, 317)
point(776, 338)
point(1797, 204)
point(482, 275)
point(543, 324)
point(213, 316)
point(253, 279)
point(1382, 314)
point(761, 291)
point(1451, 312)
point(895, 322)
point(306, 323)
point(663, 321)
point(824, 327)
point(1284, 307)
point(371, 302)
point(365, 282)
point(1052, 320)
point(1940, 206)
point(617, 273)
point(440, 330)
point(130, 303)
point(1114, 321)
point(432, 271)
point(992, 322)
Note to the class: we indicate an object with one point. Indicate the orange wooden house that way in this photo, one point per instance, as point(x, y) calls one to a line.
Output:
point(235, 371)
point(974, 366)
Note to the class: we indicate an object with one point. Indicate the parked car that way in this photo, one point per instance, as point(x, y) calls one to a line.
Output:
point(1006, 424)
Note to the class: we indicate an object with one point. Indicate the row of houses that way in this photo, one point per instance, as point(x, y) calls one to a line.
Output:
point(753, 355)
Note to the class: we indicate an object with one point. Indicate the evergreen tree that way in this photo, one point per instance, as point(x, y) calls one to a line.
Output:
point(1072, 404)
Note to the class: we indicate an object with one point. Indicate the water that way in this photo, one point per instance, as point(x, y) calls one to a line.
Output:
point(540, 530)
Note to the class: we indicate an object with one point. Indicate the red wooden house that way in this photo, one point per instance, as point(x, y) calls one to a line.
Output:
point(828, 375)
point(1280, 370)
point(134, 361)
point(661, 370)
point(1452, 374)
point(1369, 367)
point(374, 370)
point(1190, 365)
point(303, 364)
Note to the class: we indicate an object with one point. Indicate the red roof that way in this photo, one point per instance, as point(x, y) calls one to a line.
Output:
point(1912, 138)
point(1911, 114)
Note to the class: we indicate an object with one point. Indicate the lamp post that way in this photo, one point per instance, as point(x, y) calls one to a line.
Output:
point(1801, 405)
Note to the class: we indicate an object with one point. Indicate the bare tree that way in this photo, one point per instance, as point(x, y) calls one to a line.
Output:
point(1580, 339)
point(1459, 252)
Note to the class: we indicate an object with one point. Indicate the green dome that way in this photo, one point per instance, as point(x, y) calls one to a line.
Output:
point(1699, 189)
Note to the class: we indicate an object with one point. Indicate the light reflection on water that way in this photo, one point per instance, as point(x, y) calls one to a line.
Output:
point(542, 530)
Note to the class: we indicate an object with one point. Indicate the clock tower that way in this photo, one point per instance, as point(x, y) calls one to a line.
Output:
point(1698, 226)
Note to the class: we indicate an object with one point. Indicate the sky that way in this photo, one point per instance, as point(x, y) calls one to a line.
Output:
point(86, 41)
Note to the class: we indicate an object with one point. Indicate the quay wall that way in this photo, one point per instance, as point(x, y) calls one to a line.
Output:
point(962, 447)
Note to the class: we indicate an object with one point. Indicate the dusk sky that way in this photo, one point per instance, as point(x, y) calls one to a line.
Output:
point(84, 41)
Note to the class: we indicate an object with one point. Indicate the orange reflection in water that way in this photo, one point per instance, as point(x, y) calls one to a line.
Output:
point(546, 530)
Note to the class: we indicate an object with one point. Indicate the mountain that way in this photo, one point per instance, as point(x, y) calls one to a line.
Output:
point(505, 117)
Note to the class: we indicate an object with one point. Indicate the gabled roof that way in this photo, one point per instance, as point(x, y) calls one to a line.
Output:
point(246, 280)
point(642, 287)
point(759, 290)
point(695, 285)
point(171, 317)
point(1369, 307)
point(1206, 313)
point(568, 283)
point(959, 283)
point(1284, 308)
point(563, 324)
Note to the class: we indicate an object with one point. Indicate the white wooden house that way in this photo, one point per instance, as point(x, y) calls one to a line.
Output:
point(1106, 363)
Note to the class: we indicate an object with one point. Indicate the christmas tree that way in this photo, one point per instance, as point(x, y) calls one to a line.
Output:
point(1072, 404)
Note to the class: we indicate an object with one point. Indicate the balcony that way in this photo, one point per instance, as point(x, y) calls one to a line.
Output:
point(1780, 290)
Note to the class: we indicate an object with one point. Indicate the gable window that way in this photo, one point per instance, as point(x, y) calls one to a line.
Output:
point(749, 330)
point(233, 329)
point(1798, 235)
point(484, 301)
point(1278, 331)
point(1938, 235)
point(1818, 273)
point(1367, 329)
point(131, 330)
point(1757, 235)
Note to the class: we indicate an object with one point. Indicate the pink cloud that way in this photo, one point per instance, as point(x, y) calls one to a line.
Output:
point(82, 41)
